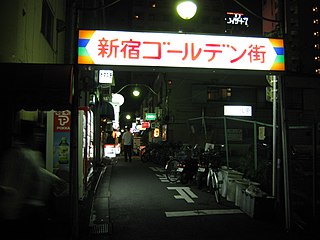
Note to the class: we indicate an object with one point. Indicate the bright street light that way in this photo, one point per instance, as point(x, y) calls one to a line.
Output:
point(187, 9)
point(136, 92)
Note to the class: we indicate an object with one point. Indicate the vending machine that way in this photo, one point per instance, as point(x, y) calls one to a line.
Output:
point(58, 146)
point(58, 143)
point(85, 149)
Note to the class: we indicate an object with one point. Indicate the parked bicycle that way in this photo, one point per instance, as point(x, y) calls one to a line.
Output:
point(147, 153)
point(214, 177)
point(203, 166)
point(157, 153)
point(202, 171)
point(183, 165)
point(173, 169)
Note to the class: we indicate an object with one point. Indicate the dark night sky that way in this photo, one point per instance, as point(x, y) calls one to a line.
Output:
point(123, 77)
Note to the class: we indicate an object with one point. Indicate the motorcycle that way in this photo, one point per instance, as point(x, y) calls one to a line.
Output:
point(189, 159)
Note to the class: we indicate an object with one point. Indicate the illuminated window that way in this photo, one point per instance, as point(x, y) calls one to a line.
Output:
point(219, 94)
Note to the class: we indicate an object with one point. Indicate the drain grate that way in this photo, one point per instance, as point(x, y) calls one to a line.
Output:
point(99, 228)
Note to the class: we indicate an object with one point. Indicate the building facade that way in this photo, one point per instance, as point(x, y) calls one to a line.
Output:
point(33, 33)
point(191, 103)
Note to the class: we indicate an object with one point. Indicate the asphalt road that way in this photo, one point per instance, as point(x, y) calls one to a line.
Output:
point(139, 203)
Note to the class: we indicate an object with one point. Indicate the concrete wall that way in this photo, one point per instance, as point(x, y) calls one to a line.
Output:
point(21, 39)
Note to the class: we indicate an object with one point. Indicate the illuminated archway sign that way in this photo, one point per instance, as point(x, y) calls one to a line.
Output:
point(121, 48)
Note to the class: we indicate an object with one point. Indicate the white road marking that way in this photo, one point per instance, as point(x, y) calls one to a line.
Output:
point(203, 212)
point(157, 169)
point(185, 193)
point(162, 177)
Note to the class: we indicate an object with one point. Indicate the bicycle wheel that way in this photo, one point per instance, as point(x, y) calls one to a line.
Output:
point(145, 156)
point(213, 184)
point(172, 170)
point(216, 186)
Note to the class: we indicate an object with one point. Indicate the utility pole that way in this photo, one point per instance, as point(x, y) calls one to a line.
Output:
point(283, 119)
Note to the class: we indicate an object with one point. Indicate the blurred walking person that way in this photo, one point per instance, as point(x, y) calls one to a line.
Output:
point(25, 188)
point(127, 143)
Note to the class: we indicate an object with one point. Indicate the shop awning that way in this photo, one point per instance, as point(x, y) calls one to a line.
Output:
point(37, 86)
point(107, 110)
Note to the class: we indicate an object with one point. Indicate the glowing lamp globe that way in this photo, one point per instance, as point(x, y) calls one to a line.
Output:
point(187, 9)
point(136, 92)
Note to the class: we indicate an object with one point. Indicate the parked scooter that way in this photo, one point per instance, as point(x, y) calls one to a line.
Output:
point(188, 158)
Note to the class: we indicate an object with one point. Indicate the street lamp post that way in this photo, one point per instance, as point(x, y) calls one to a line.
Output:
point(116, 102)
point(136, 91)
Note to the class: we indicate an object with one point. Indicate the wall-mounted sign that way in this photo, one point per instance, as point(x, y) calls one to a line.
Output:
point(234, 18)
point(151, 116)
point(105, 76)
point(156, 132)
point(114, 48)
point(235, 134)
point(61, 139)
point(145, 125)
point(238, 111)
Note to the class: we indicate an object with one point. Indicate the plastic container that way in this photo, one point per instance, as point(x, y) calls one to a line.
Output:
point(248, 200)
point(241, 185)
point(231, 185)
point(224, 173)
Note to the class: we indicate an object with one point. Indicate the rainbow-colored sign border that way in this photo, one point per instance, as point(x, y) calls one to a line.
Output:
point(86, 57)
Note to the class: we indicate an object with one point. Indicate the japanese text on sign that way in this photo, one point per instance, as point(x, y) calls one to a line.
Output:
point(62, 121)
point(180, 50)
point(236, 19)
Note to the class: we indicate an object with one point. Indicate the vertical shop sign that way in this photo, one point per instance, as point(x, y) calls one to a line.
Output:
point(61, 138)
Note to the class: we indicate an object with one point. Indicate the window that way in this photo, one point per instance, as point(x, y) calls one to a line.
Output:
point(47, 22)
point(294, 98)
point(219, 94)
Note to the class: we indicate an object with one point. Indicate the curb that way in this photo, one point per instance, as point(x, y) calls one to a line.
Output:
point(100, 210)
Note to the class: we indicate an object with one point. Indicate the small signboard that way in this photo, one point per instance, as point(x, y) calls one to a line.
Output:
point(238, 111)
point(151, 116)
point(145, 125)
point(109, 150)
point(105, 76)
